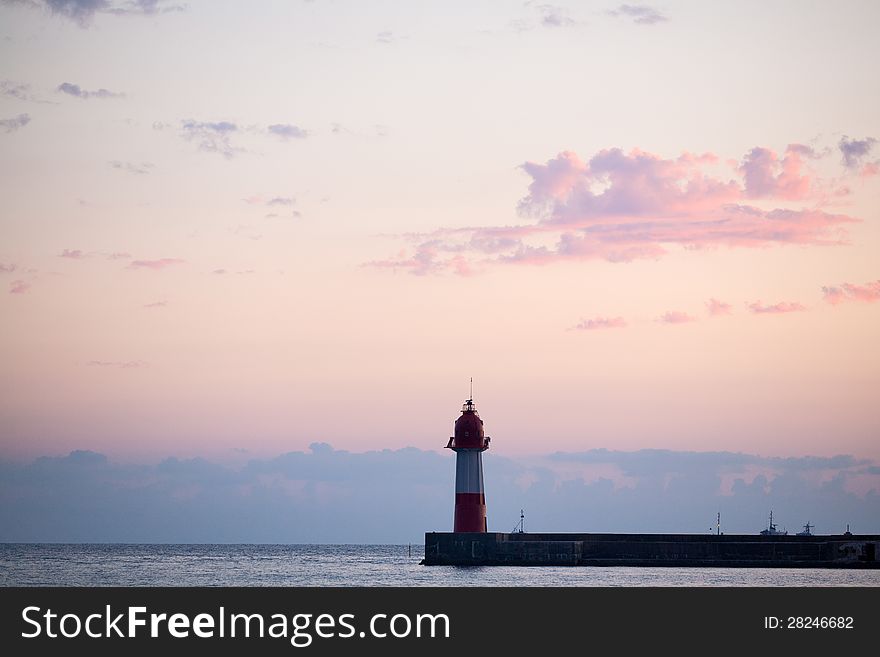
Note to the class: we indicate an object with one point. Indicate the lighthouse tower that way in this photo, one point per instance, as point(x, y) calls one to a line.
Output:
point(469, 443)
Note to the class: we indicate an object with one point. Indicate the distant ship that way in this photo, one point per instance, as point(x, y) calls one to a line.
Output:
point(807, 529)
point(771, 529)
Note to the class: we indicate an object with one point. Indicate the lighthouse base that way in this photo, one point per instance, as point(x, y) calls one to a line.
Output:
point(674, 550)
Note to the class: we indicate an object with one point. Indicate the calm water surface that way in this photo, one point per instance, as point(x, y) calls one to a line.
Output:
point(348, 565)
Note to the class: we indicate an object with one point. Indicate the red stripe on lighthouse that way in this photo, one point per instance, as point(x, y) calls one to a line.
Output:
point(470, 512)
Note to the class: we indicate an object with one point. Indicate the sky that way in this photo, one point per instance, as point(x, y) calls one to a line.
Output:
point(230, 231)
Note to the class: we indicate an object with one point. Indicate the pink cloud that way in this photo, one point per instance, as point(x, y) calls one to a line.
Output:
point(869, 292)
point(623, 206)
point(423, 261)
point(155, 264)
point(119, 255)
point(777, 308)
point(675, 317)
point(600, 323)
point(768, 176)
point(718, 308)
point(833, 295)
point(614, 184)
point(73, 254)
point(461, 266)
point(19, 287)
point(156, 304)
point(6, 269)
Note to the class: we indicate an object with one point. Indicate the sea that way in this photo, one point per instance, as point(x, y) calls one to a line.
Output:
point(80, 564)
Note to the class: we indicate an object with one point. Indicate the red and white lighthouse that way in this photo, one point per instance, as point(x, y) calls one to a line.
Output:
point(469, 443)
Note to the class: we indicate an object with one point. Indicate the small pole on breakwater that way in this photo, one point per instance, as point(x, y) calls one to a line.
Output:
point(409, 549)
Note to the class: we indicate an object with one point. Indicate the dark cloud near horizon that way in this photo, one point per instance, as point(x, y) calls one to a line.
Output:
point(75, 90)
point(329, 495)
point(15, 123)
point(664, 461)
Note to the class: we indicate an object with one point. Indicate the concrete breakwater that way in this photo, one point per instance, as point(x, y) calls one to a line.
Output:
point(677, 550)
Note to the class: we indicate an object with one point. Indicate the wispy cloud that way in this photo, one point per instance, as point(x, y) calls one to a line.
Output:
point(156, 304)
point(161, 263)
point(553, 16)
point(130, 167)
point(422, 262)
point(7, 269)
point(15, 123)
point(210, 136)
point(640, 14)
point(272, 201)
point(122, 365)
point(217, 136)
point(717, 308)
point(675, 317)
point(73, 254)
point(19, 91)
point(387, 37)
point(600, 323)
point(777, 308)
point(287, 131)
point(869, 292)
point(144, 7)
point(19, 287)
point(75, 90)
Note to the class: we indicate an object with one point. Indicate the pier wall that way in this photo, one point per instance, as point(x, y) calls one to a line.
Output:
point(680, 550)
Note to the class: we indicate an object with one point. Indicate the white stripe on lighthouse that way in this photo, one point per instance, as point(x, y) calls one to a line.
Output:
point(469, 471)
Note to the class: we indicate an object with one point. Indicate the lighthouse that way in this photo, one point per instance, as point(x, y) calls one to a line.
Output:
point(469, 443)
